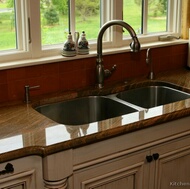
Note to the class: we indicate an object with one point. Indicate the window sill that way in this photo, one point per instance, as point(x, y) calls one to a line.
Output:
point(59, 58)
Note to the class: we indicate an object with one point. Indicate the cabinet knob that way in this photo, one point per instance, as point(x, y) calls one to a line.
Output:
point(149, 158)
point(155, 156)
point(8, 169)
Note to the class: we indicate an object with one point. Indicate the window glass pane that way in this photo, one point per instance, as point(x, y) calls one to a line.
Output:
point(157, 15)
point(88, 17)
point(132, 14)
point(7, 25)
point(54, 21)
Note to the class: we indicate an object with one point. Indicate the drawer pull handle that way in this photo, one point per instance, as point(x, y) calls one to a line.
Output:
point(149, 158)
point(8, 169)
point(155, 156)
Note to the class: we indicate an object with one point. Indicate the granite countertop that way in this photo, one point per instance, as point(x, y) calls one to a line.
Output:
point(26, 132)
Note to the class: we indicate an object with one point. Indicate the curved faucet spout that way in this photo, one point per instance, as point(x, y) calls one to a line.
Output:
point(135, 47)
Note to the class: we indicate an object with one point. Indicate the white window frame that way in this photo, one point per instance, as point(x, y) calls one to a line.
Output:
point(34, 52)
point(22, 35)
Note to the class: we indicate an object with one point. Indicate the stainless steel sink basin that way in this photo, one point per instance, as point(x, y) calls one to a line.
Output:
point(152, 96)
point(84, 110)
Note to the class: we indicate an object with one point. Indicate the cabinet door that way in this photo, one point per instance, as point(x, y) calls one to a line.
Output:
point(18, 181)
point(128, 171)
point(26, 174)
point(172, 169)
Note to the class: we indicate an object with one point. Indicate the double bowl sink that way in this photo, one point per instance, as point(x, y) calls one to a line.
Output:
point(90, 109)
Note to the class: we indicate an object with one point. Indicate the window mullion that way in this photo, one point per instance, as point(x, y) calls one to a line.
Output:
point(72, 16)
point(35, 28)
point(117, 14)
point(144, 17)
point(179, 13)
point(174, 16)
point(105, 13)
point(22, 25)
point(177, 17)
point(170, 26)
point(105, 17)
point(19, 34)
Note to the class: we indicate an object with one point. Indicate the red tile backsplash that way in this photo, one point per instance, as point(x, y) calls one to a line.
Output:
point(3, 77)
point(34, 71)
point(76, 74)
point(4, 93)
point(16, 74)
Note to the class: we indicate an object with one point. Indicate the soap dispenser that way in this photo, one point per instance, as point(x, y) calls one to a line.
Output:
point(69, 47)
point(83, 47)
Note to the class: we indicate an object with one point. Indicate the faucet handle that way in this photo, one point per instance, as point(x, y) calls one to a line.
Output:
point(109, 72)
point(113, 68)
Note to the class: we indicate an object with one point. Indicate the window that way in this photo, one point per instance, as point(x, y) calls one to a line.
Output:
point(146, 16)
point(38, 28)
point(14, 30)
point(152, 17)
point(132, 14)
point(87, 17)
point(56, 23)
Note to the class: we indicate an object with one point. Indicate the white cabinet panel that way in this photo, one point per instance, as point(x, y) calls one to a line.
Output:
point(123, 172)
point(172, 169)
point(27, 174)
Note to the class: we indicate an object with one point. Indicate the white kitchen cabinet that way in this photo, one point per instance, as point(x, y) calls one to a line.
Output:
point(153, 158)
point(123, 172)
point(172, 168)
point(27, 174)
point(168, 166)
